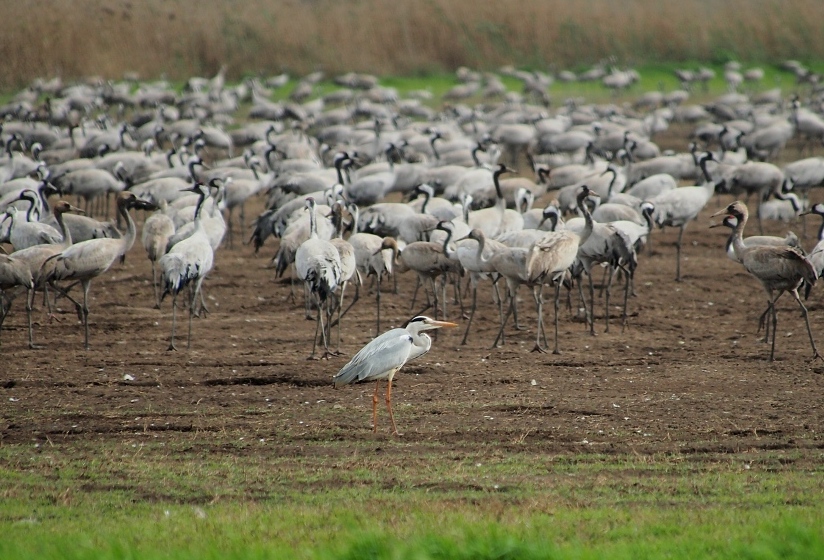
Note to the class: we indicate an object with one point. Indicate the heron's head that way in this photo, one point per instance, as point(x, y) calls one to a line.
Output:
point(424, 323)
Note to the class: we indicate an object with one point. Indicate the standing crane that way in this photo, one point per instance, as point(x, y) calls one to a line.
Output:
point(373, 255)
point(317, 263)
point(36, 255)
point(679, 206)
point(15, 273)
point(348, 263)
point(87, 260)
point(550, 258)
point(186, 264)
point(157, 230)
point(385, 355)
point(778, 268)
point(474, 258)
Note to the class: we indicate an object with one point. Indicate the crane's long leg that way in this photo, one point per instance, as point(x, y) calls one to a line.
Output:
point(444, 282)
point(807, 322)
point(230, 227)
point(627, 290)
point(29, 305)
point(375, 407)
point(538, 295)
point(341, 313)
point(604, 280)
point(315, 338)
point(763, 321)
point(415, 294)
point(503, 324)
point(174, 321)
point(557, 308)
point(472, 311)
point(3, 309)
point(678, 253)
point(434, 296)
point(378, 305)
point(580, 282)
point(389, 405)
point(193, 292)
point(307, 302)
point(591, 305)
point(606, 299)
point(155, 285)
point(86, 285)
point(774, 324)
point(496, 294)
point(321, 306)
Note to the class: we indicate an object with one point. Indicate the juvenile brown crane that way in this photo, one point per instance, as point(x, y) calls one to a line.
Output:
point(779, 269)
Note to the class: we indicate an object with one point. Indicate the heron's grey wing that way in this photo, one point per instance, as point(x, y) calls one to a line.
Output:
point(386, 353)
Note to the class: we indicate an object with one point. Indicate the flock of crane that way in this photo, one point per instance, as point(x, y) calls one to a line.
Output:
point(363, 182)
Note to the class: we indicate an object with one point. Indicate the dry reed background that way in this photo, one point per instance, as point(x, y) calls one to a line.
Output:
point(177, 38)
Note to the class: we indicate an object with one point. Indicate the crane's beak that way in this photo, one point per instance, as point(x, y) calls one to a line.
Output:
point(714, 225)
point(76, 210)
point(724, 211)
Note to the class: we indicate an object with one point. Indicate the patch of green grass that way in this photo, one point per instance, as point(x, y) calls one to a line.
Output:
point(230, 499)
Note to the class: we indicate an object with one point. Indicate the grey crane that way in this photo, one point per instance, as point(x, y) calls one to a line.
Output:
point(779, 269)
point(185, 265)
point(605, 244)
point(348, 263)
point(679, 206)
point(374, 255)
point(475, 259)
point(789, 240)
point(88, 184)
point(385, 355)
point(318, 265)
point(87, 260)
point(430, 260)
point(549, 259)
point(157, 230)
point(23, 233)
point(36, 255)
point(15, 273)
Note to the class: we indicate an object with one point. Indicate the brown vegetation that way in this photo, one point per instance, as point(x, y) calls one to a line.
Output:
point(179, 39)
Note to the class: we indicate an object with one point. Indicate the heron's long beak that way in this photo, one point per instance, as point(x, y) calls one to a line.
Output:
point(443, 324)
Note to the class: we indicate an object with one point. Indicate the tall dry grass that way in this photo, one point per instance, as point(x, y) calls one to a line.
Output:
point(178, 38)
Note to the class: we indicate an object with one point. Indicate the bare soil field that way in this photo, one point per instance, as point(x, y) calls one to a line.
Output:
point(688, 375)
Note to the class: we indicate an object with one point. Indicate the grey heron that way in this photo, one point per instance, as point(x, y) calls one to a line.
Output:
point(385, 355)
